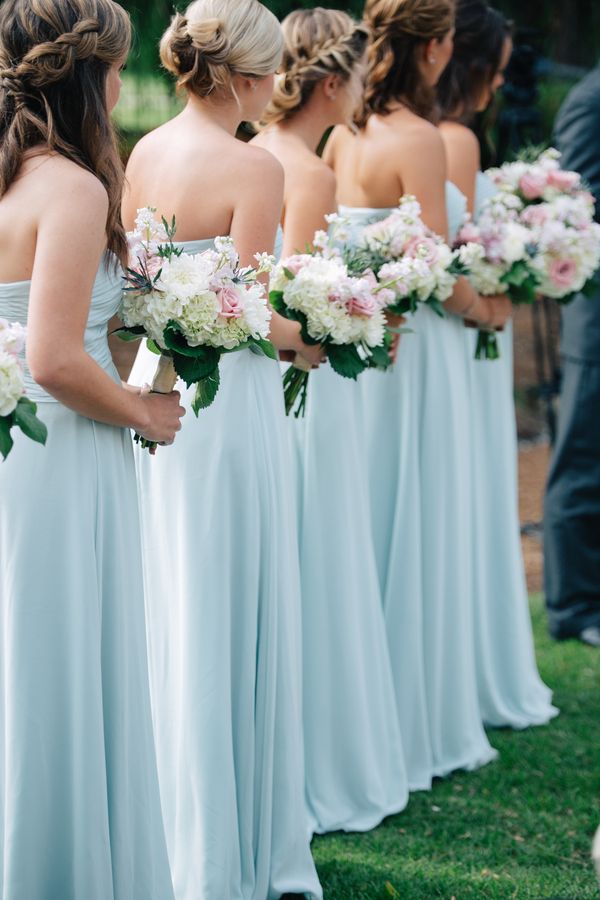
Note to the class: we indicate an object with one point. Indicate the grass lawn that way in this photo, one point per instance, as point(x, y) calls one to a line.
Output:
point(520, 827)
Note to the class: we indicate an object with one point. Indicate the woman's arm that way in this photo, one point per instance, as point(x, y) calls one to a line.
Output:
point(253, 229)
point(70, 243)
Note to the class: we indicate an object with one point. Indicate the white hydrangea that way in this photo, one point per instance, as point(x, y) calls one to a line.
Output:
point(12, 385)
point(338, 308)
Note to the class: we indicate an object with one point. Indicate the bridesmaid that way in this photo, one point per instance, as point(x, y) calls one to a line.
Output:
point(80, 810)
point(417, 416)
point(354, 758)
point(511, 692)
point(219, 533)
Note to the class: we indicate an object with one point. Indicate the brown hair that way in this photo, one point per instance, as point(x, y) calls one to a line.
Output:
point(317, 43)
point(217, 39)
point(54, 60)
point(399, 28)
point(481, 33)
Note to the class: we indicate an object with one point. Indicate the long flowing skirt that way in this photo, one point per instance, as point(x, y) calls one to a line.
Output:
point(419, 461)
point(511, 692)
point(223, 608)
point(355, 768)
point(79, 801)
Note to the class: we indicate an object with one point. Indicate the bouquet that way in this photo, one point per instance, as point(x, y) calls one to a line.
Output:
point(16, 410)
point(342, 312)
point(496, 254)
point(409, 260)
point(537, 236)
point(192, 308)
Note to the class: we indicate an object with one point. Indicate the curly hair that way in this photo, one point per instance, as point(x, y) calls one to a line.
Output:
point(317, 43)
point(217, 39)
point(55, 56)
point(399, 29)
point(481, 32)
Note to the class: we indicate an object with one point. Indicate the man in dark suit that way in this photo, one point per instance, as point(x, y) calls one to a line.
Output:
point(572, 507)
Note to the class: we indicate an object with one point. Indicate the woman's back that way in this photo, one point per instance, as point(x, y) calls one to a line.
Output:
point(397, 154)
point(199, 173)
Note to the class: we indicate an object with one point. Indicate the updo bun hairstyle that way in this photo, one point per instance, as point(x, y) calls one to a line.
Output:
point(214, 40)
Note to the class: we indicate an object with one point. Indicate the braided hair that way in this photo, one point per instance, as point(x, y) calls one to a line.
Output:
point(317, 43)
point(55, 56)
point(217, 39)
point(399, 29)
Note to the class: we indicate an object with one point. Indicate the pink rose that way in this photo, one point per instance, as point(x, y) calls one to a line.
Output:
point(362, 305)
point(535, 215)
point(469, 234)
point(533, 185)
point(562, 180)
point(229, 299)
point(424, 248)
point(295, 263)
point(562, 273)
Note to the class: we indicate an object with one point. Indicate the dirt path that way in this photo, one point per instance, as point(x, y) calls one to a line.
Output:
point(533, 467)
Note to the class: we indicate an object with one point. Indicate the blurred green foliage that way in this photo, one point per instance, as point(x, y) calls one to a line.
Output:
point(569, 29)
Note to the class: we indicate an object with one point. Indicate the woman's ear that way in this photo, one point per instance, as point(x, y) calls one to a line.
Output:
point(331, 86)
point(430, 51)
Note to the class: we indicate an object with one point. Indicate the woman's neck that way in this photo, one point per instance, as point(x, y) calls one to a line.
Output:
point(225, 115)
point(307, 126)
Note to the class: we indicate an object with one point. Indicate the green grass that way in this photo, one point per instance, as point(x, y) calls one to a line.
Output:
point(520, 828)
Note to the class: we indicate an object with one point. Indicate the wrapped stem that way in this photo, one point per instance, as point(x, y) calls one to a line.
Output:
point(487, 345)
point(165, 377)
point(295, 386)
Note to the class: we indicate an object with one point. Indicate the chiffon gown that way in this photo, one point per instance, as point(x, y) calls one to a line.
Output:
point(416, 425)
point(80, 811)
point(511, 692)
point(355, 770)
point(223, 611)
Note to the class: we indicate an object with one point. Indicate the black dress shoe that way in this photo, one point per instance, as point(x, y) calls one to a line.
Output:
point(590, 636)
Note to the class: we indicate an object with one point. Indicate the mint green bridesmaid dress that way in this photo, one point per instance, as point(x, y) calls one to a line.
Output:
point(80, 815)
point(416, 424)
point(223, 607)
point(511, 692)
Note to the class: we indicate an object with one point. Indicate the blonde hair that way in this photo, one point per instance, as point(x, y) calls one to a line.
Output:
point(317, 43)
point(54, 60)
point(217, 39)
point(398, 29)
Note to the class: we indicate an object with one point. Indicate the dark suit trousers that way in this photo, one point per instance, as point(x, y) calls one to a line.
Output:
point(572, 506)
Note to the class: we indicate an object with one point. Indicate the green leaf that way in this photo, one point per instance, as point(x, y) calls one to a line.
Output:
point(438, 308)
point(153, 347)
point(130, 334)
point(6, 442)
point(196, 368)
point(380, 358)
point(346, 360)
point(277, 302)
point(263, 348)
point(206, 391)
point(175, 340)
point(25, 417)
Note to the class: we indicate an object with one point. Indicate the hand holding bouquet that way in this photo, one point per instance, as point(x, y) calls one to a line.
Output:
point(341, 312)
point(192, 308)
point(16, 410)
